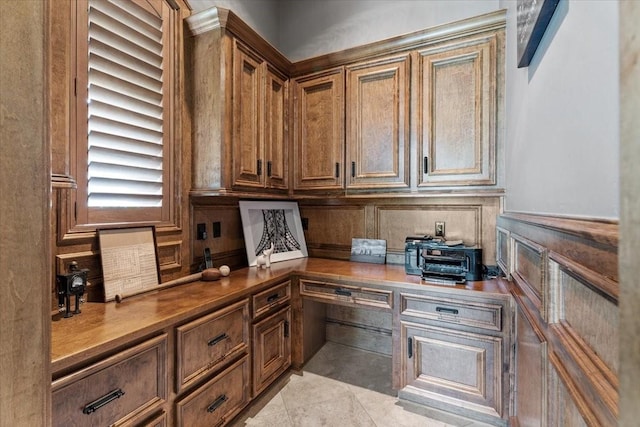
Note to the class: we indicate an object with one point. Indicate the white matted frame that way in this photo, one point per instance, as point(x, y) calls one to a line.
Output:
point(266, 222)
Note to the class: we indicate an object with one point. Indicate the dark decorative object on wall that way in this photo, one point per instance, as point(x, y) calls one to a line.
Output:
point(533, 19)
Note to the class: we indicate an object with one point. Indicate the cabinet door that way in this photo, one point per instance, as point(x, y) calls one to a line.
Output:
point(275, 130)
point(271, 349)
point(457, 110)
point(377, 120)
point(247, 142)
point(319, 131)
point(453, 368)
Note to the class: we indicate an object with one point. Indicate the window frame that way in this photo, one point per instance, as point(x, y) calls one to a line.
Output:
point(82, 219)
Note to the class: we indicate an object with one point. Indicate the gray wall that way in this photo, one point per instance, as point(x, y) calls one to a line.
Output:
point(318, 27)
point(562, 115)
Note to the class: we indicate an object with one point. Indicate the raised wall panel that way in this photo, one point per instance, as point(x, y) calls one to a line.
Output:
point(529, 270)
point(503, 250)
point(229, 247)
point(396, 222)
point(170, 255)
point(331, 228)
point(530, 371)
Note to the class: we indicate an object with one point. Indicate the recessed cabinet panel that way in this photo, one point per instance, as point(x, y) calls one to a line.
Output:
point(271, 349)
point(209, 342)
point(275, 122)
point(457, 104)
point(377, 120)
point(453, 367)
point(319, 131)
point(247, 144)
point(125, 387)
point(219, 400)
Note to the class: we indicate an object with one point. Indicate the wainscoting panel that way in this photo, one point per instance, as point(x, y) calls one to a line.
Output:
point(565, 284)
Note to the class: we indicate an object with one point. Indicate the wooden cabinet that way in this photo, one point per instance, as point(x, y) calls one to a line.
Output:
point(457, 112)
point(454, 354)
point(259, 117)
point(238, 104)
point(371, 101)
point(318, 131)
point(349, 295)
point(207, 343)
point(219, 400)
point(124, 389)
point(377, 123)
point(271, 335)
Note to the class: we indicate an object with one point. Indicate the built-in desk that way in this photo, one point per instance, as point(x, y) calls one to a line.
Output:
point(106, 337)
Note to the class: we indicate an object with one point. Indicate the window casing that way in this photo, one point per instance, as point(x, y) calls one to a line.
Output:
point(125, 140)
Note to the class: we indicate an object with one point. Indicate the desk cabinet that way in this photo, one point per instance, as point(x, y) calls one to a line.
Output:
point(271, 334)
point(217, 401)
point(206, 344)
point(123, 389)
point(454, 353)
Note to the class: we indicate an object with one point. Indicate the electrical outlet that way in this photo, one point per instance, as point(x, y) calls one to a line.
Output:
point(201, 231)
point(217, 229)
point(439, 228)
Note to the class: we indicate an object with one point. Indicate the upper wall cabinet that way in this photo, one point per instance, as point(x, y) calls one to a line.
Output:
point(318, 131)
point(238, 106)
point(375, 114)
point(422, 113)
point(457, 112)
point(259, 112)
point(377, 121)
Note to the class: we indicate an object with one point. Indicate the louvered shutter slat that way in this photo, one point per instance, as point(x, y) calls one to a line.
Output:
point(125, 106)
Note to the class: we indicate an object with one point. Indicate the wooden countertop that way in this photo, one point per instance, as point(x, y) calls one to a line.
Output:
point(111, 326)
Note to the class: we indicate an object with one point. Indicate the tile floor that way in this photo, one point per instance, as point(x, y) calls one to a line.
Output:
point(342, 386)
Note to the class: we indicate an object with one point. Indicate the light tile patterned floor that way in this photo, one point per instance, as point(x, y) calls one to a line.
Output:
point(344, 387)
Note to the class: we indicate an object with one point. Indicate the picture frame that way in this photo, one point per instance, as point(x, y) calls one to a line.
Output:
point(368, 250)
point(129, 259)
point(533, 17)
point(277, 222)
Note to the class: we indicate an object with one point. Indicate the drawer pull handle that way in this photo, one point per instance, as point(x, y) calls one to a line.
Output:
point(410, 347)
point(217, 403)
point(446, 310)
point(343, 292)
point(273, 297)
point(217, 339)
point(99, 403)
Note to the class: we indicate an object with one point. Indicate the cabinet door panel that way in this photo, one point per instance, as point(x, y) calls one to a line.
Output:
point(271, 349)
point(453, 367)
point(248, 158)
point(457, 104)
point(377, 119)
point(276, 99)
point(319, 131)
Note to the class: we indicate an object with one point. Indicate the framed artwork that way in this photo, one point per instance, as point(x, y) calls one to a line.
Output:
point(533, 17)
point(129, 261)
point(268, 222)
point(368, 250)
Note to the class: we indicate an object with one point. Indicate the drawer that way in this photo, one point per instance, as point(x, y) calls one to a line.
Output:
point(271, 299)
point(123, 388)
point(346, 294)
point(218, 400)
point(209, 342)
point(481, 315)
